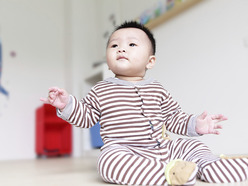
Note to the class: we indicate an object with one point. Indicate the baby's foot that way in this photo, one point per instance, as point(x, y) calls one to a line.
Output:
point(179, 172)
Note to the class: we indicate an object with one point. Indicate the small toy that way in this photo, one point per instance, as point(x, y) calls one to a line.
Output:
point(178, 172)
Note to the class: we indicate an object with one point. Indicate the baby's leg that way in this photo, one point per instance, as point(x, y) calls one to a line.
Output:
point(191, 150)
point(226, 171)
point(210, 167)
point(119, 164)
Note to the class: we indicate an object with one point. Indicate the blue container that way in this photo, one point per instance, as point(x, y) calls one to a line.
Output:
point(96, 140)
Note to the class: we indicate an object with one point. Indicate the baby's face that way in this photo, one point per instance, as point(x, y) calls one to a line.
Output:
point(128, 52)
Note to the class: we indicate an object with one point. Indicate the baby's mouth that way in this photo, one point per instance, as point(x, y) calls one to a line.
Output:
point(121, 57)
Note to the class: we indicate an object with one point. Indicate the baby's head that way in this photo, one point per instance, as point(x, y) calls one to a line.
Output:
point(130, 51)
point(133, 24)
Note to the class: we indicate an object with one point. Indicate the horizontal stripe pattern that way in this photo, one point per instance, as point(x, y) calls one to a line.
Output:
point(130, 114)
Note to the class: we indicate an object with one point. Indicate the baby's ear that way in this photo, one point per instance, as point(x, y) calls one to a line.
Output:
point(151, 62)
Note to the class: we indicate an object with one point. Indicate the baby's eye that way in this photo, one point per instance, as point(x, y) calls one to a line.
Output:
point(132, 44)
point(114, 46)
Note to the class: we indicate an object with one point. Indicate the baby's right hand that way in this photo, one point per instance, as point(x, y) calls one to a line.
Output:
point(57, 97)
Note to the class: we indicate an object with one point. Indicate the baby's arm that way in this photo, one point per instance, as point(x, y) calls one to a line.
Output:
point(84, 113)
point(208, 124)
point(57, 97)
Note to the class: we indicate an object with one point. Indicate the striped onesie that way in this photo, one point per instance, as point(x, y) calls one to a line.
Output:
point(133, 119)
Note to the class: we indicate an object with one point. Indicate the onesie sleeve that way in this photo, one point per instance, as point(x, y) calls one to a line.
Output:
point(191, 127)
point(84, 113)
point(176, 120)
point(67, 110)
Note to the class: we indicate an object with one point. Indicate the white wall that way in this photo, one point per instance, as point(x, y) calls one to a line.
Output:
point(35, 31)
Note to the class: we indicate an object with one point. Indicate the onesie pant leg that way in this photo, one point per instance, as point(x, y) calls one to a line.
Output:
point(226, 171)
point(118, 164)
point(210, 167)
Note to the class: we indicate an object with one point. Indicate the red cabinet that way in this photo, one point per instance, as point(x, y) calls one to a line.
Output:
point(53, 135)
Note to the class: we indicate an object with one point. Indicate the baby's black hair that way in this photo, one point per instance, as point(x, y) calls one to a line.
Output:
point(134, 24)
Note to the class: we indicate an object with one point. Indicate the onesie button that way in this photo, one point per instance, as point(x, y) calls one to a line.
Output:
point(158, 143)
point(136, 89)
point(151, 125)
point(150, 136)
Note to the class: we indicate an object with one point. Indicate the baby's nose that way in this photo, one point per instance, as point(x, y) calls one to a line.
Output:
point(121, 50)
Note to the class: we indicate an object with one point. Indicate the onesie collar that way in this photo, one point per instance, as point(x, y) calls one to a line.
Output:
point(128, 83)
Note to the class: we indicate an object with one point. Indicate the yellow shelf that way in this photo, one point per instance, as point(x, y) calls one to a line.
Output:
point(177, 9)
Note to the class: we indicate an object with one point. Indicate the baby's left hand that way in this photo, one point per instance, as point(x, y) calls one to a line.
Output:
point(207, 124)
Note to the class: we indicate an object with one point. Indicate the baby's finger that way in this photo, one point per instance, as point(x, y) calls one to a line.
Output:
point(216, 116)
point(52, 93)
point(61, 91)
point(219, 117)
point(218, 126)
point(53, 89)
point(216, 132)
point(45, 100)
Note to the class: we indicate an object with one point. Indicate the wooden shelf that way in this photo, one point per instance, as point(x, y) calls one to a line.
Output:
point(177, 9)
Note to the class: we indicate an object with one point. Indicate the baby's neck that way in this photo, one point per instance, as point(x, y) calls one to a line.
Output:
point(130, 79)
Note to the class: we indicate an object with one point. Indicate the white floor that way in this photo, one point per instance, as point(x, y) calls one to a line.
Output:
point(59, 172)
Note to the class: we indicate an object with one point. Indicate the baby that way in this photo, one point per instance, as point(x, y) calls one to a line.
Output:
point(134, 114)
